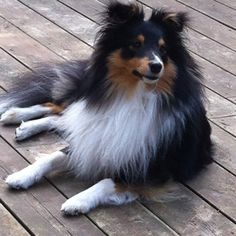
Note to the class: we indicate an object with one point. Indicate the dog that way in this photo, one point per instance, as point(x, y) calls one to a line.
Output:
point(133, 113)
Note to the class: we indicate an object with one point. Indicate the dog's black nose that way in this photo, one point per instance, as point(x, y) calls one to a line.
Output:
point(155, 67)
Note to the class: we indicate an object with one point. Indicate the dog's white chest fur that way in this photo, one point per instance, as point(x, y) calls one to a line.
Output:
point(105, 141)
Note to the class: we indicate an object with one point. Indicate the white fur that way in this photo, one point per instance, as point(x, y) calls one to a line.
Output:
point(30, 128)
point(33, 173)
point(16, 115)
point(116, 137)
point(103, 192)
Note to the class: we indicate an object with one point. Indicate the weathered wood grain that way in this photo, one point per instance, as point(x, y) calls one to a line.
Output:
point(218, 187)
point(218, 106)
point(225, 148)
point(10, 70)
point(200, 22)
point(228, 123)
point(229, 3)
point(74, 23)
point(48, 9)
point(217, 79)
point(9, 225)
point(46, 32)
point(215, 10)
point(188, 214)
point(12, 39)
point(86, 8)
point(39, 207)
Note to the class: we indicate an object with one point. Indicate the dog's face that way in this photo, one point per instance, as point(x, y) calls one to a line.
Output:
point(142, 53)
point(141, 50)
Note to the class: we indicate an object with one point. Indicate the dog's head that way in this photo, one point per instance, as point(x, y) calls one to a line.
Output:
point(138, 49)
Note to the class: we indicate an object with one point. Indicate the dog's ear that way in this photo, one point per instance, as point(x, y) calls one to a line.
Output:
point(117, 12)
point(176, 21)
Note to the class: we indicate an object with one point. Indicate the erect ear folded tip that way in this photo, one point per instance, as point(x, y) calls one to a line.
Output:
point(174, 20)
point(121, 12)
point(177, 20)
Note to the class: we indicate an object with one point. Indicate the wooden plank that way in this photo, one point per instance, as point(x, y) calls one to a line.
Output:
point(217, 79)
point(213, 9)
point(71, 21)
point(228, 123)
point(10, 70)
point(180, 209)
point(12, 39)
point(201, 23)
point(218, 106)
point(233, 99)
point(225, 145)
point(50, 12)
point(218, 187)
point(53, 37)
point(216, 53)
point(188, 214)
point(87, 8)
point(229, 3)
point(39, 207)
point(9, 225)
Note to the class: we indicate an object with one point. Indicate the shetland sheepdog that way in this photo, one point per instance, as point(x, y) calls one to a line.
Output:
point(133, 113)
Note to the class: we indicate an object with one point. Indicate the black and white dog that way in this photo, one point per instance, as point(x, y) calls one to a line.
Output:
point(132, 113)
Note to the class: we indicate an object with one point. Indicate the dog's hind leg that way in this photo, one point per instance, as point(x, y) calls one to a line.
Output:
point(33, 173)
point(33, 127)
point(104, 192)
point(15, 115)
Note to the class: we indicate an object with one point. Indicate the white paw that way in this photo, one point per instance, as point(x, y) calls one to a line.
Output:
point(76, 206)
point(11, 116)
point(22, 179)
point(24, 131)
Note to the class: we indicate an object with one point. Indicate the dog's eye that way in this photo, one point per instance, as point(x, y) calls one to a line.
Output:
point(136, 44)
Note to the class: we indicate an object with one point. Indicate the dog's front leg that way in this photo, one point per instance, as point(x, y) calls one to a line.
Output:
point(33, 173)
point(105, 192)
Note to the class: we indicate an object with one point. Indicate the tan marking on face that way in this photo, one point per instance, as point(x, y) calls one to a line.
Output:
point(120, 71)
point(56, 109)
point(141, 38)
point(165, 84)
point(161, 42)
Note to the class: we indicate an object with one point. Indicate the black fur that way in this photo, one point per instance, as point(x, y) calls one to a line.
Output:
point(190, 148)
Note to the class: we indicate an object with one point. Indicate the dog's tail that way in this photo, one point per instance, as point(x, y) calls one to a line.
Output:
point(60, 83)
point(31, 89)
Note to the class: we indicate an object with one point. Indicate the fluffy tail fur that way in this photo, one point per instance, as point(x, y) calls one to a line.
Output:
point(56, 84)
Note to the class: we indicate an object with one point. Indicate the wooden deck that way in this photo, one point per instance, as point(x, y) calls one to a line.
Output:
point(35, 31)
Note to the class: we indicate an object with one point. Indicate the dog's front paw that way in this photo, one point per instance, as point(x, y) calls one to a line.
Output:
point(76, 206)
point(23, 131)
point(22, 179)
point(10, 116)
